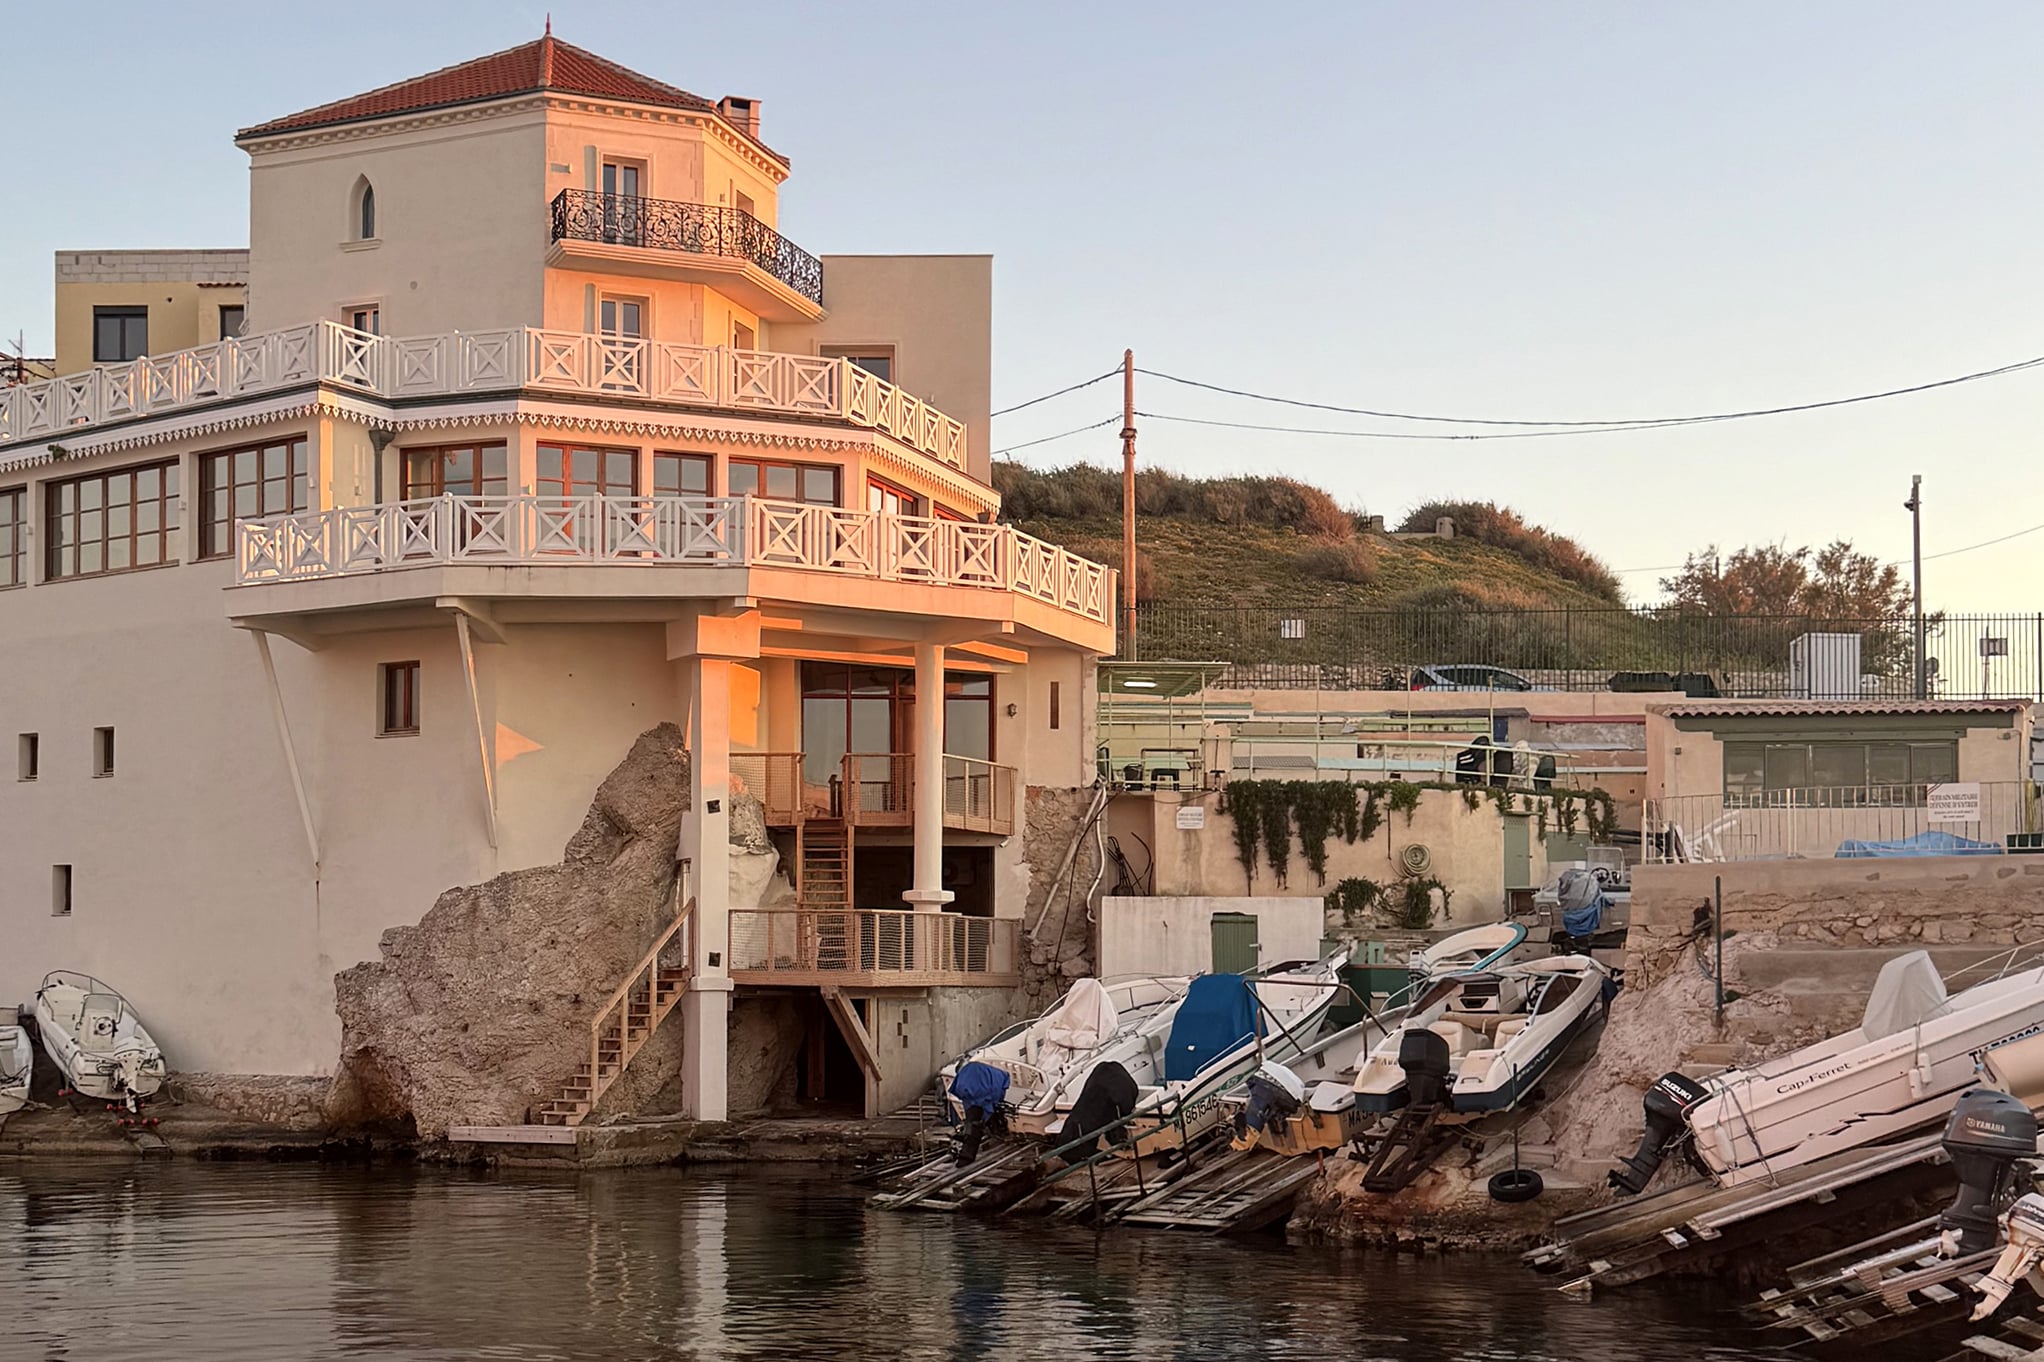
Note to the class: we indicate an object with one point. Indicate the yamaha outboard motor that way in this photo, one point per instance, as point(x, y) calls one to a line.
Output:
point(1667, 1106)
point(1425, 1058)
point(1989, 1131)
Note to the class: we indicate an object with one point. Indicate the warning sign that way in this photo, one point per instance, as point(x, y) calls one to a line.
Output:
point(1958, 802)
point(1192, 817)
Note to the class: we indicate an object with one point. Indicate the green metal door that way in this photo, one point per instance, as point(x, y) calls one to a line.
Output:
point(1234, 942)
point(1518, 851)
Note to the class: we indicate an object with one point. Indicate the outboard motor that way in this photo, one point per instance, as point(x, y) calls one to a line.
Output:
point(1108, 1098)
point(1425, 1058)
point(2024, 1226)
point(1275, 1094)
point(1988, 1133)
point(980, 1090)
point(1667, 1107)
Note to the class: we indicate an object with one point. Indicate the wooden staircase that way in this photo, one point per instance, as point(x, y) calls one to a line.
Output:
point(626, 1021)
point(823, 858)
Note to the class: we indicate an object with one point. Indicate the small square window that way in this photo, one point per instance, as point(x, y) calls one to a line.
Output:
point(231, 317)
point(400, 688)
point(60, 891)
point(102, 751)
point(28, 756)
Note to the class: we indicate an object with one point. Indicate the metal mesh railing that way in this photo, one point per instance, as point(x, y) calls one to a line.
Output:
point(1973, 656)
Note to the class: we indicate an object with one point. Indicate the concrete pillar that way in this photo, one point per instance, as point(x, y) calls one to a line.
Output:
point(928, 892)
point(704, 648)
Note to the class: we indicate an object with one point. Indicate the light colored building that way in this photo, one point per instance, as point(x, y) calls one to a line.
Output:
point(539, 433)
point(117, 306)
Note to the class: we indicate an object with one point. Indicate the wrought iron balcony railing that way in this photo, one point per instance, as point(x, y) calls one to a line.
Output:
point(698, 228)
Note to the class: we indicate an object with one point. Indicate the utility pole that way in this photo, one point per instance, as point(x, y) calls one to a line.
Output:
point(1915, 508)
point(1128, 503)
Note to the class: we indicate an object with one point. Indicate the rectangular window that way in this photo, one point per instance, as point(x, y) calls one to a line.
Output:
point(111, 522)
point(877, 360)
point(13, 537)
point(622, 317)
point(28, 756)
point(1842, 774)
point(464, 470)
point(248, 484)
point(742, 201)
point(623, 208)
point(1054, 704)
point(364, 317)
point(816, 484)
point(681, 475)
point(119, 334)
point(882, 495)
point(231, 317)
point(102, 752)
point(579, 471)
point(399, 683)
point(743, 337)
point(969, 715)
point(60, 891)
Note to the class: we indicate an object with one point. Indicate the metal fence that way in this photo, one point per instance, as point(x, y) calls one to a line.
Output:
point(1989, 816)
point(1968, 657)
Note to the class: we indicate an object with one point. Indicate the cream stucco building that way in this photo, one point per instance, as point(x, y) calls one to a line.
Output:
point(537, 432)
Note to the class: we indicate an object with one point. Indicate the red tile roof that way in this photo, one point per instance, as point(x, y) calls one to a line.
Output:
point(547, 64)
point(1725, 709)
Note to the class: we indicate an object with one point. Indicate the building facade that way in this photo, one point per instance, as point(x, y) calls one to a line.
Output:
point(537, 433)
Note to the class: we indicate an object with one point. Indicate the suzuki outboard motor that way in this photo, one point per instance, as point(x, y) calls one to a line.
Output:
point(1425, 1058)
point(1667, 1105)
point(1989, 1131)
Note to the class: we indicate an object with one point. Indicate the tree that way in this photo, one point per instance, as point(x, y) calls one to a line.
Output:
point(1835, 582)
point(1785, 590)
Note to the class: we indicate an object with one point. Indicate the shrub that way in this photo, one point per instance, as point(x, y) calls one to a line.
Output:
point(1351, 560)
point(1503, 528)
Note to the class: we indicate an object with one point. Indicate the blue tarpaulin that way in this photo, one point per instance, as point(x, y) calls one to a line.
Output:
point(979, 1087)
point(1218, 1014)
point(1928, 843)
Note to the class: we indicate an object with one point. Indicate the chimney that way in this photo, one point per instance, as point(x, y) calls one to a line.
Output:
point(741, 113)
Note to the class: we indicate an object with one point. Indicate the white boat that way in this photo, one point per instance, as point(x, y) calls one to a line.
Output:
point(17, 1065)
point(1903, 1067)
point(96, 1040)
point(1217, 1035)
point(1048, 1057)
point(1484, 1038)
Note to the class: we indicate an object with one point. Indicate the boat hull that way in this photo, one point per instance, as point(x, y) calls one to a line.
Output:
point(17, 1068)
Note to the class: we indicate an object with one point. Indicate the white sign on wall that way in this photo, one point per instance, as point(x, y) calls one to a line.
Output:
point(1958, 802)
point(1192, 817)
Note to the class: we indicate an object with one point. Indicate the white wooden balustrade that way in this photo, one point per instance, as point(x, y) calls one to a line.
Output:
point(519, 358)
point(642, 531)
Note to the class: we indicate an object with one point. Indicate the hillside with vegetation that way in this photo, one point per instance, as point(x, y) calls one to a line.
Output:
point(1267, 541)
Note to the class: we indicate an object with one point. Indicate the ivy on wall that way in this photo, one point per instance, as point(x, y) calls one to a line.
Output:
point(1266, 813)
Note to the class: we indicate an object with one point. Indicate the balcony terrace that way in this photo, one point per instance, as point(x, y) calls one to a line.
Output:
point(877, 790)
point(633, 534)
point(869, 948)
point(474, 364)
point(726, 248)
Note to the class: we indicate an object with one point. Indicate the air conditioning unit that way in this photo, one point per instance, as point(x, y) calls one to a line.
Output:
point(1824, 667)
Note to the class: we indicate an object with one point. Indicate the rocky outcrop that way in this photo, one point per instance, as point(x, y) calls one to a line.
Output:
point(276, 1101)
point(476, 1014)
point(1060, 907)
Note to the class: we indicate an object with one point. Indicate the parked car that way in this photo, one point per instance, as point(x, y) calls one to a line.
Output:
point(1467, 677)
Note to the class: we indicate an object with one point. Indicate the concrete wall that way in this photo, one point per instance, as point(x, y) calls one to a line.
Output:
point(183, 290)
point(1175, 935)
point(934, 311)
point(1467, 845)
point(916, 1035)
point(482, 184)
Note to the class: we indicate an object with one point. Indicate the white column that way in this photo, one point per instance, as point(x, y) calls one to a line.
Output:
point(706, 843)
point(928, 892)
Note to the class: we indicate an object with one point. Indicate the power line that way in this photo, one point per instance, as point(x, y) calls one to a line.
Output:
point(1059, 393)
point(1386, 434)
point(1613, 423)
point(1077, 430)
point(1900, 562)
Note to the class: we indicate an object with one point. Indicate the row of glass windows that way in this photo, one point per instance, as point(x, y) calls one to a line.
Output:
point(128, 518)
point(1844, 774)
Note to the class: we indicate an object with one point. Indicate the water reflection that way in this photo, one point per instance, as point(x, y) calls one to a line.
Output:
point(189, 1261)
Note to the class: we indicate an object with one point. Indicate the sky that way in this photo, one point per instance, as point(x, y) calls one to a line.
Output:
point(1561, 211)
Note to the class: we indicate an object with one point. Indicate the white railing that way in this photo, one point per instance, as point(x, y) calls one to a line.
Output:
point(1818, 821)
point(479, 361)
point(641, 531)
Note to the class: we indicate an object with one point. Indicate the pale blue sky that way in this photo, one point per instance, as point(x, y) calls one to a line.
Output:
point(1491, 209)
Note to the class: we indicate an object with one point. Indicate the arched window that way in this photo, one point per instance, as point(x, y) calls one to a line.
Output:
point(365, 211)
